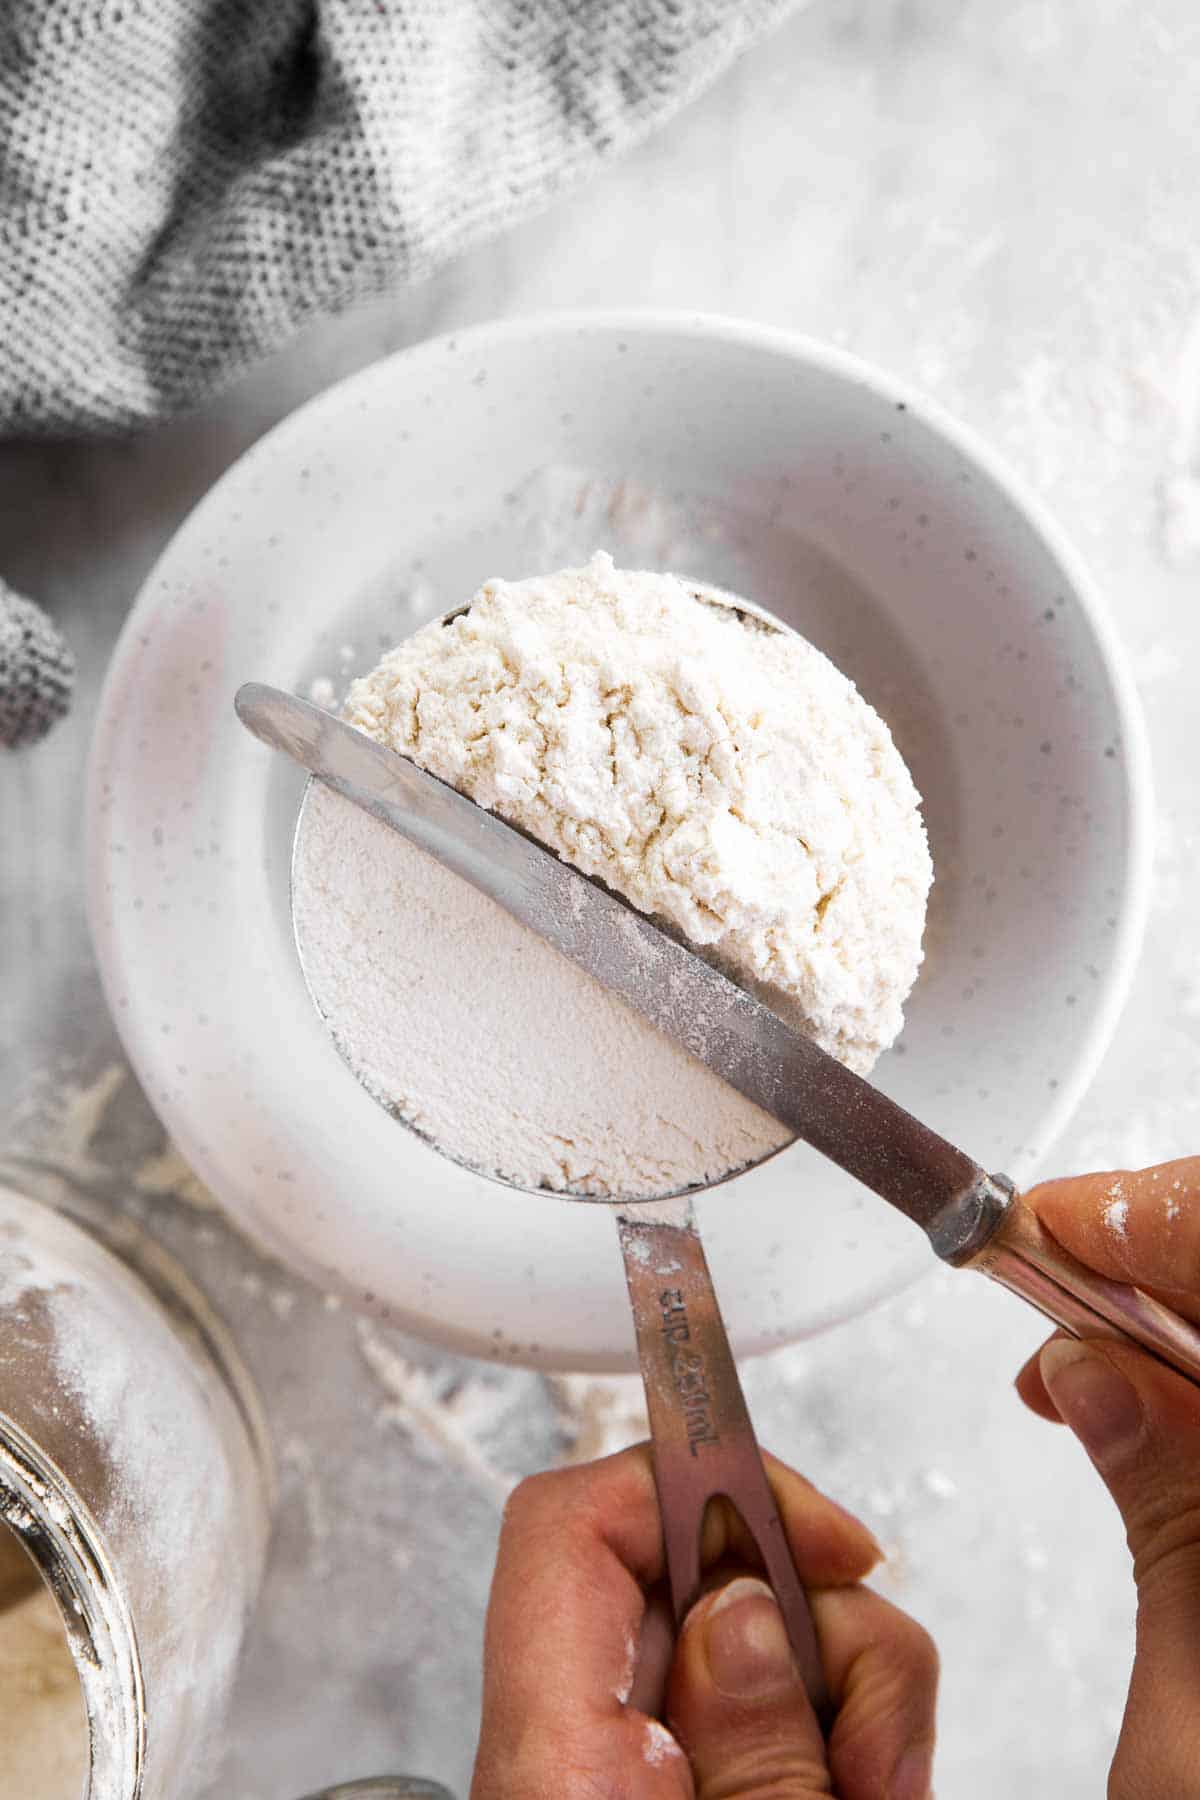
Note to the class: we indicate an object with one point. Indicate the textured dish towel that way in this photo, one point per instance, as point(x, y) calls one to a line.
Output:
point(185, 182)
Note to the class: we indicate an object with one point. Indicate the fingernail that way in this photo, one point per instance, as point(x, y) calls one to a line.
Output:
point(749, 1657)
point(861, 1532)
point(1094, 1398)
point(912, 1776)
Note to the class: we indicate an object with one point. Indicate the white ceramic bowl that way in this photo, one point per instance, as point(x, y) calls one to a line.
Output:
point(762, 463)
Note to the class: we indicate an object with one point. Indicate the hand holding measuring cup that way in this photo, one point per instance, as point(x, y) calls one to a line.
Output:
point(578, 1673)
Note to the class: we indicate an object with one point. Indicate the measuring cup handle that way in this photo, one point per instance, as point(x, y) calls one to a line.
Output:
point(704, 1442)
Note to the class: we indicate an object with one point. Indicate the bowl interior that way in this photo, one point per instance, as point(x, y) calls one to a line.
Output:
point(744, 460)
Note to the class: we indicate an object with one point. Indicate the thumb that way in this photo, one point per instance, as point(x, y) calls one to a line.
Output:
point(737, 1704)
point(1140, 1424)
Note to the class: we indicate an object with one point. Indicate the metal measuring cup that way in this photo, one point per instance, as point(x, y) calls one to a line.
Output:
point(703, 1440)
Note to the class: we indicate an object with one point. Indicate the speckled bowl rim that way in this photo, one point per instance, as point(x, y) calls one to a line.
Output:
point(1132, 904)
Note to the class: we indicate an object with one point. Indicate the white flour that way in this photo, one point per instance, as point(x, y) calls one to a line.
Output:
point(718, 774)
point(43, 1730)
point(490, 1043)
point(659, 1745)
point(1116, 1213)
point(723, 776)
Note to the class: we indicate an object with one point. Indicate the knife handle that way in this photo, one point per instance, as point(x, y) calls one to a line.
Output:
point(702, 1436)
point(1023, 1256)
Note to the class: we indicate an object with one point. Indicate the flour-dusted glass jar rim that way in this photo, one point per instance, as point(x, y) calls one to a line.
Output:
point(60, 1534)
point(134, 1469)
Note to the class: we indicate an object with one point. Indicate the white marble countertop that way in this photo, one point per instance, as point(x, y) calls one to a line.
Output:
point(998, 205)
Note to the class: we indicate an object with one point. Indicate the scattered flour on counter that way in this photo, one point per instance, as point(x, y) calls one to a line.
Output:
point(301, 1470)
point(81, 1112)
point(1157, 662)
point(1181, 486)
point(452, 1425)
point(1181, 517)
point(167, 1173)
point(719, 774)
point(602, 1414)
point(73, 1127)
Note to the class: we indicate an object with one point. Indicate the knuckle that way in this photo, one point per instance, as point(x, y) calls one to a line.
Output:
point(920, 1653)
point(1164, 1536)
point(534, 1498)
point(581, 1489)
point(901, 1653)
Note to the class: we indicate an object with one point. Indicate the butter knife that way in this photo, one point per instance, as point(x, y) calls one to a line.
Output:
point(972, 1219)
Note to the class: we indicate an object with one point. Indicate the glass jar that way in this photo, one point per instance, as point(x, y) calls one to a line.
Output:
point(135, 1471)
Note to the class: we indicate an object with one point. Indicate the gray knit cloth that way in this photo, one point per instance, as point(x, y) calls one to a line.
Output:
point(37, 671)
point(184, 182)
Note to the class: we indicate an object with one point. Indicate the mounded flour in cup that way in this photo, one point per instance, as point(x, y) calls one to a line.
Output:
point(718, 773)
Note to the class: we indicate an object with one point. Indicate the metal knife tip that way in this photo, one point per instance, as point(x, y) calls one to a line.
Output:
point(248, 697)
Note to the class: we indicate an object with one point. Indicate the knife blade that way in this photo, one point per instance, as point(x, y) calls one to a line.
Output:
point(954, 1201)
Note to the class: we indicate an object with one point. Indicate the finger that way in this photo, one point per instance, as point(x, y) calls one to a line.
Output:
point(1140, 1424)
point(561, 1641)
point(1032, 1389)
point(830, 1547)
point(1141, 1226)
point(736, 1702)
point(656, 1648)
point(580, 1547)
point(883, 1668)
point(578, 1550)
point(575, 1548)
